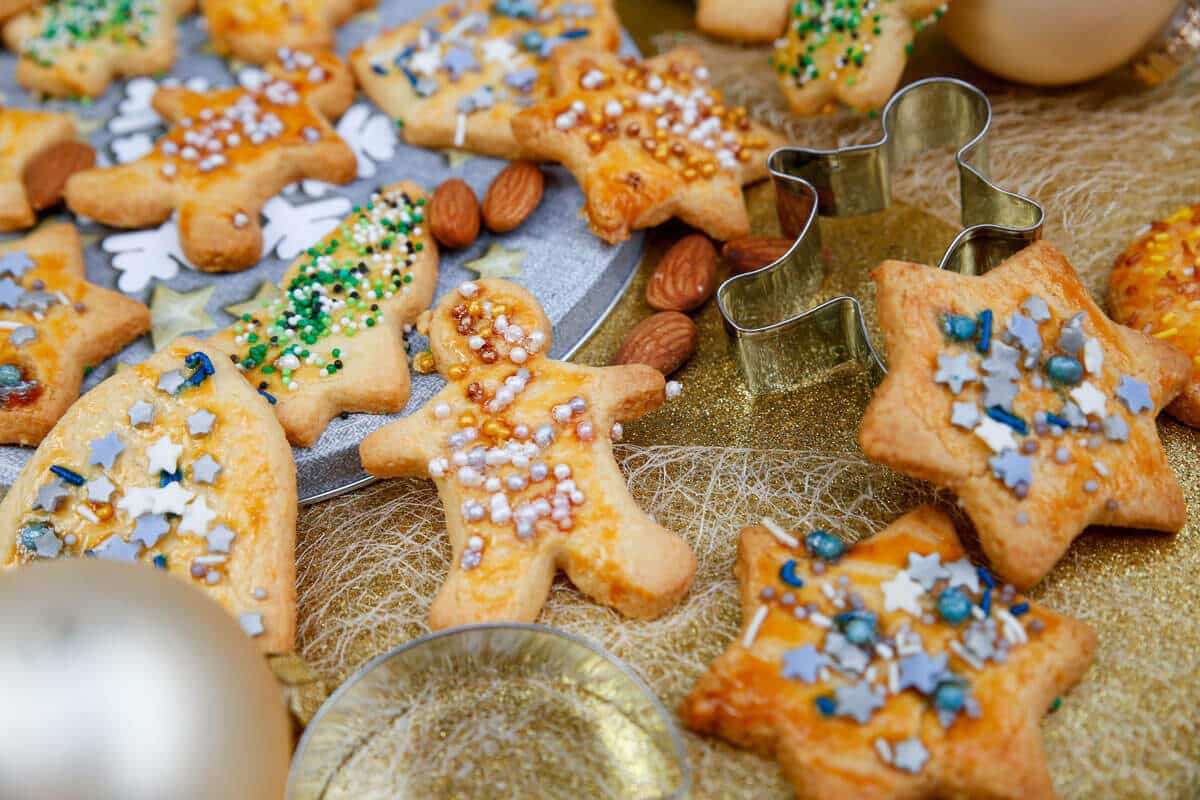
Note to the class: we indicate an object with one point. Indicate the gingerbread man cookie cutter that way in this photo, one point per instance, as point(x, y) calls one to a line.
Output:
point(778, 341)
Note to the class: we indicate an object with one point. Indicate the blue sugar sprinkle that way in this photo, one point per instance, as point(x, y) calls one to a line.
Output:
point(70, 476)
point(575, 33)
point(1055, 419)
point(165, 477)
point(985, 331)
point(160, 561)
point(1011, 420)
point(1019, 609)
point(378, 69)
point(408, 74)
point(826, 706)
point(986, 602)
point(270, 397)
point(787, 573)
point(201, 366)
point(986, 577)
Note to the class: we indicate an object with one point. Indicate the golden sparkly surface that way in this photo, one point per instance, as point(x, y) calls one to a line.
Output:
point(1104, 161)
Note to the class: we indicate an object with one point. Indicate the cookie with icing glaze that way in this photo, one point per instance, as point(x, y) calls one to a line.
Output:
point(648, 141)
point(1154, 288)
point(227, 152)
point(1016, 392)
point(254, 30)
point(54, 326)
point(177, 463)
point(25, 137)
point(456, 76)
point(520, 447)
point(73, 48)
point(893, 668)
point(332, 341)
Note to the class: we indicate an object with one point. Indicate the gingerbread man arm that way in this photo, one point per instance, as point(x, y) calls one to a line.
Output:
point(628, 391)
point(403, 448)
point(126, 196)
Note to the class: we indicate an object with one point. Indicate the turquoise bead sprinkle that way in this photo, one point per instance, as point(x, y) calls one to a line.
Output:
point(954, 605)
point(949, 697)
point(958, 327)
point(1064, 369)
point(9, 375)
point(824, 545)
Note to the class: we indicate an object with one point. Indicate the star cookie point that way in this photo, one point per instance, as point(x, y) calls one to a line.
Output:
point(1016, 392)
point(520, 448)
point(855, 699)
point(254, 30)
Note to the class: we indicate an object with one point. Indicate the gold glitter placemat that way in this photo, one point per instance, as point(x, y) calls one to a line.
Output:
point(1104, 159)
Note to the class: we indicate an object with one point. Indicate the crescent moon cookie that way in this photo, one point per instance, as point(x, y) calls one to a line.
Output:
point(179, 463)
point(893, 668)
point(254, 30)
point(1013, 390)
point(647, 141)
point(54, 326)
point(852, 51)
point(227, 152)
point(1155, 288)
point(520, 447)
point(332, 341)
point(39, 150)
point(455, 77)
point(75, 48)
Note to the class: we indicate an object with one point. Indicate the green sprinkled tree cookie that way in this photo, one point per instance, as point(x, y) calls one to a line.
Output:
point(332, 340)
point(75, 48)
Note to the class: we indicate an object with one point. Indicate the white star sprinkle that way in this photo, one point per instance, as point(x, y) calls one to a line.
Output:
point(965, 415)
point(954, 371)
point(164, 456)
point(963, 573)
point(997, 435)
point(196, 517)
point(1089, 399)
point(902, 593)
point(251, 622)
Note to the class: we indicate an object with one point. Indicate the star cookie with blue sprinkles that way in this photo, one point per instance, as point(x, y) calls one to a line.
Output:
point(253, 30)
point(54, 325)
point(1016, 392)
point(176, 463)
point(332, 340)
point(520, 447)
point(860, 694)
point(454, 77)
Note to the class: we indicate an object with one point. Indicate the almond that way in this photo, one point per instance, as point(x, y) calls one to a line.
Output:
point(46, 173)
point(513, 196)
point(754, 252)
point(454, 214)
point(664, 341)
point(685, 277)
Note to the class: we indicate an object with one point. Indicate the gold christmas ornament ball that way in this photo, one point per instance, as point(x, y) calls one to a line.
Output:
point(1053, 42)
point(118, 682)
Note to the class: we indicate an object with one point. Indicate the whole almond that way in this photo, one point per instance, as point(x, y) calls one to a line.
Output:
point(454, 214)
point(46, 173)
point(754, 252)
point(664, 341)
point(685, 277)
point(513, 196)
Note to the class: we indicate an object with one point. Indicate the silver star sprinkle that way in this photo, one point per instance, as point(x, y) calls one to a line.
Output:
point(858, 701)
point(251, 622)
point(114, 548)
point(954, 371)
point(141, 413)
point(170, 382)
point(1134, 394)
point(23, 336)
point(149, 528)
point(910, 755)
point(205, 469)
point(1002, 361)
point(99, 490)
point(220, 538)
point(1013, 468)
point(200, 423)
point(104, 451)
point(926, 570)
point(965, 415)
point(1036, 308)
point(51, 495)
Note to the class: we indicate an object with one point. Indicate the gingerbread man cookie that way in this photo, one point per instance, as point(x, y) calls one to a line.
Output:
point(1155, 288)
point(456, 76)
point(893, 668)
point(743, 20)
point(227, 153)
point(254, 30)
point(520, 446)
point(54, 326)
point(1015, 391)
point(75, 48)
point(332, 341)
point(647, 141)
point(39, 150)
point(852, 51)
point(179, 463)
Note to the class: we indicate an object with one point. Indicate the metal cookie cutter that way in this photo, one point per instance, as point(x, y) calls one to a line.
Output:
point(776, 339)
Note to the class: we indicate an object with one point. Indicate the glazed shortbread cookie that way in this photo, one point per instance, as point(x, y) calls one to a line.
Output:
point(1015, 391)
point(520, 447)
point(179, 463)
point(75, 48)
point(852, 51)
point(228, 152)
point(894, 668)
point(54, 326)
point(743, 20)
point(647, 141)
point(332, 341)
point(26, 139)
point(1155, 288)
point(254, 30)
point(455, 77)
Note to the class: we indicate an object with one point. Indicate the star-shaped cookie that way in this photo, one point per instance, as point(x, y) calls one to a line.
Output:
point(1015, 391)
point(889, 669)
point(54, 325)
point(177, 463)
point(70, 48)
point(852, 51)
point(1155, 288)
point(520, 448)
point(333, 339)
point(647, 141)
point(456, 76)
point(27, 138)
point(254, 30)
point(227, 152)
